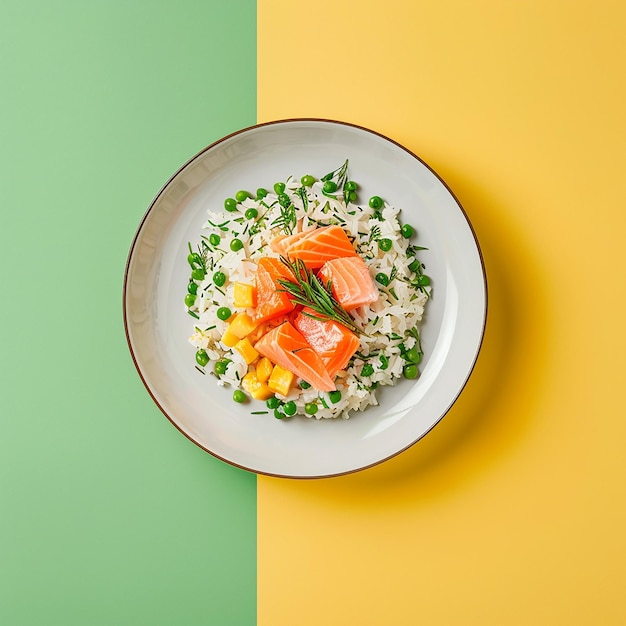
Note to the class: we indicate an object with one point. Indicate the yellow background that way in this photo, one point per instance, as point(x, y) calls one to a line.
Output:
point(512, 511)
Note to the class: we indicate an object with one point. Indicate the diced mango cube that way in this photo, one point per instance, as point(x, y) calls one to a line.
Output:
point(246, 349)
point(264, 369)
point(256, 388)
point(280, 380)
point(244, 295)
point(229, 338)
point(242, 325)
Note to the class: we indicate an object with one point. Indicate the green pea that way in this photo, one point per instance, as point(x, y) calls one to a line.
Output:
point(224, 313)
point(307, 180)
point(385, 244)
point(413, 355)
point(279, 188)
point(194, 259)
point(239, 396)
point(219, 278)
point(410, 371)
point(367, 370)
point(384, 362)
point(273, 403)
point(350, 185)
point(304, 384)
point(290, 408)
point(190, 299)
point(310, 408)
point(198, 274)
point(202, 358)
point(330, 186)
point(407, 231)
point(251, 214)
point(278, 414)
point(242, 195)
point(335, 396)
point(284, 200)
point(236, 245)
point(423, 281)
point(221, 366)
point(352, 196)
point(376, 202)
point(192, 287)
point(214, 239)
point(383, 279)
point(261, 192)
point(230, 204)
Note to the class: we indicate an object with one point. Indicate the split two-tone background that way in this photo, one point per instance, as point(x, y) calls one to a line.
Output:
point(512, 511)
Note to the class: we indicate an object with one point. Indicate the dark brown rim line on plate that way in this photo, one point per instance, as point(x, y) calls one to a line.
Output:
point(274, 123)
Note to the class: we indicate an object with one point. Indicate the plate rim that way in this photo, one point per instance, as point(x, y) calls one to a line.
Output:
point(276, 122)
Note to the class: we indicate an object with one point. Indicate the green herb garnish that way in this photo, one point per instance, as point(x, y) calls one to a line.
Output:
point(308, 290)
point(338, 175)
point(287, 218)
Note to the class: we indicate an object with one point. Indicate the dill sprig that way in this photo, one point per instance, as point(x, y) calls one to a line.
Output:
point(287, 219)
point(308, 290)
point(302, 194)
point(338, 175)
point(414, 332)
point(374, 234)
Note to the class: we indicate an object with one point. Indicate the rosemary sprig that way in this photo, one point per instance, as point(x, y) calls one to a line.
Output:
point(308, 290)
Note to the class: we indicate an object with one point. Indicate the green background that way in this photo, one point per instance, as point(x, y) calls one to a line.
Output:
point(107, 514)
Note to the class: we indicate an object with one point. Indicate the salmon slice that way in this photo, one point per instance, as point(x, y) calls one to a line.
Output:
point(286, 346)
point(332, 341)
point(319, 245)
point(281, 243)
point(270, 302)
point(351, 282)
point(277, 244)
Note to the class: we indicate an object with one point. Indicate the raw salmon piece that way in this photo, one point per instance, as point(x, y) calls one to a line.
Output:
point(351, 282)
point(286, 346)
point(277, 244)
point(281, 243)
point(320, 245)
point(332, 341)
point(269, 301)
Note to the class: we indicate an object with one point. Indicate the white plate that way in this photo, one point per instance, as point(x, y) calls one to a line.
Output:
point(158, 327)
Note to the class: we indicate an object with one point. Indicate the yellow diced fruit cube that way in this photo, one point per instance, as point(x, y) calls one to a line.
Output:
point(242, 325)
point(280, 380)
point(229, 338)
point(264, 369)
point(247, 351)
point(256, 388)
point(244, 295)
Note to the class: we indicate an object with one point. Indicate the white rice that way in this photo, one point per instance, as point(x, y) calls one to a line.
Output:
point(384, 323)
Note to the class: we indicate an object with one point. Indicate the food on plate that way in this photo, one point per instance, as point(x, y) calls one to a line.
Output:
point(333, 342)
point(287, 347)
point(316, 246)
point(271, 299)
point(306, 300)
point(350, 280)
